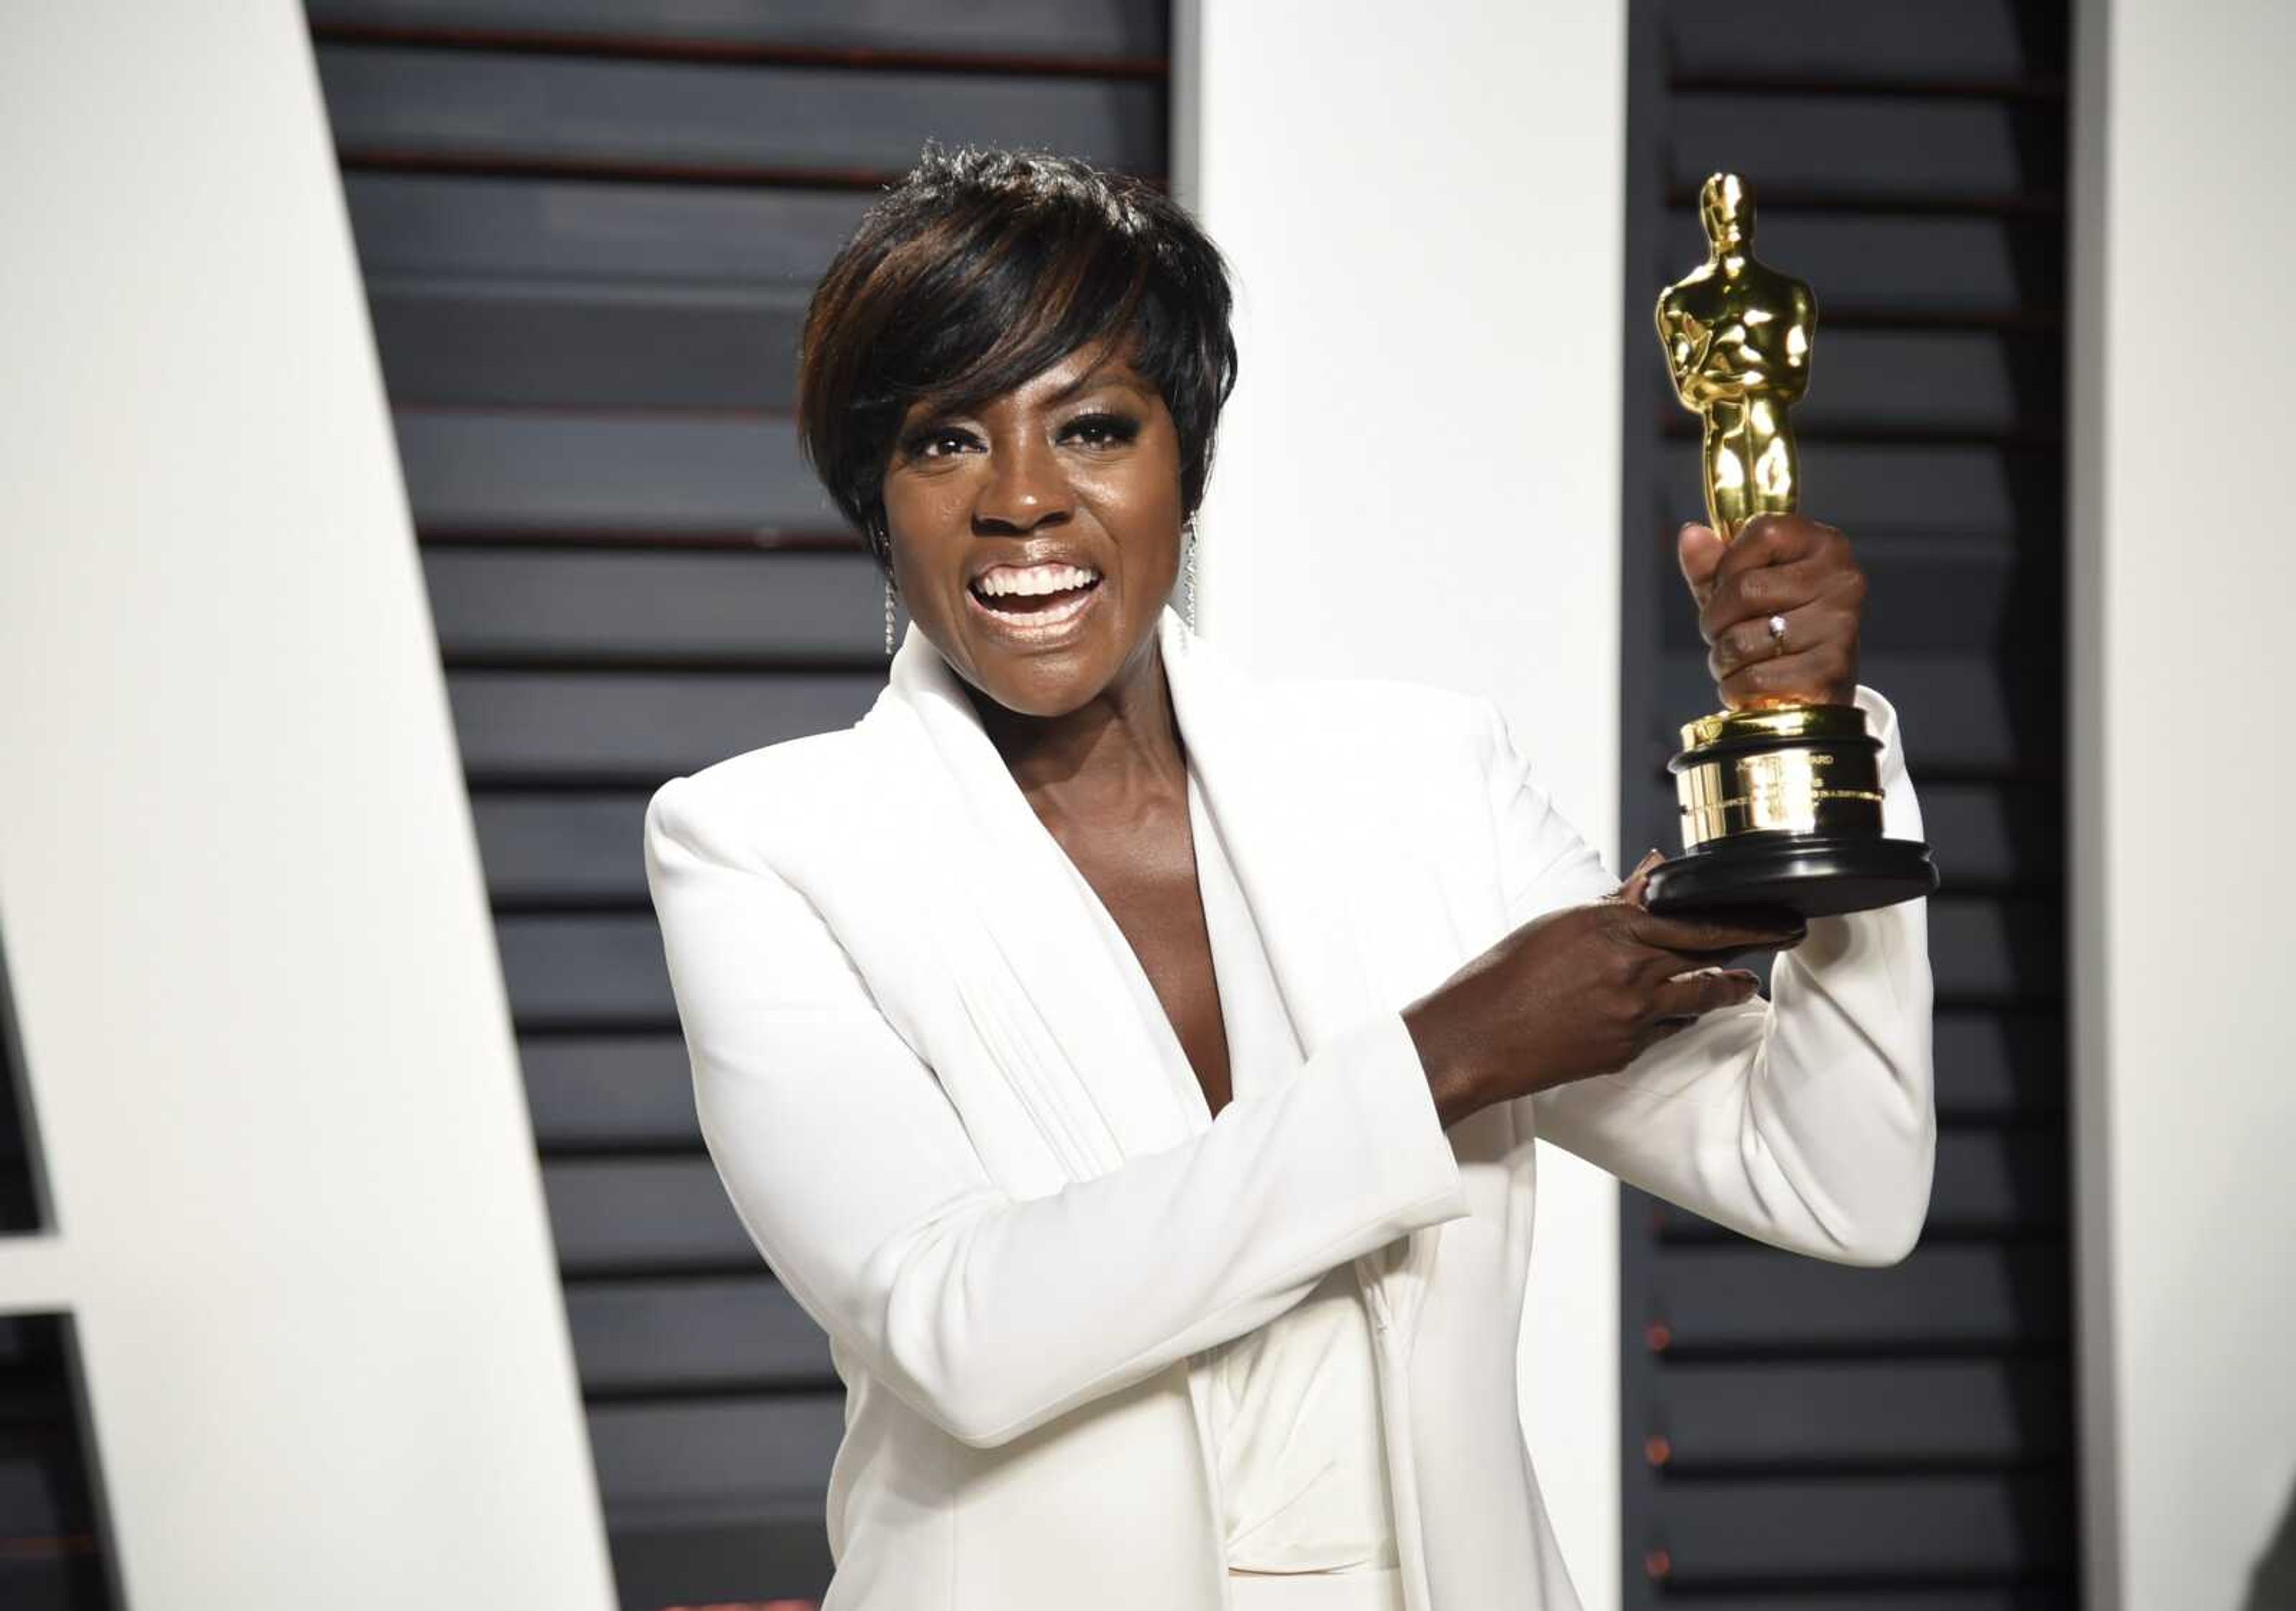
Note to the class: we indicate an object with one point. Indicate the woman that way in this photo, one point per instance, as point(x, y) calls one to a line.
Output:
point(1132, 1067)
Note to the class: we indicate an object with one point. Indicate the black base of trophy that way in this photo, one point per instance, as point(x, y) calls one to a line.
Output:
point(1814, 875)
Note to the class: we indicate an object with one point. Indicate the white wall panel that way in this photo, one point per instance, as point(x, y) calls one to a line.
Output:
point(1419, 474)
point(2184, 576)
point(299, 1220)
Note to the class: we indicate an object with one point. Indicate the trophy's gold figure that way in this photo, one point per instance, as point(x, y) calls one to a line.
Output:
point(1737, 338)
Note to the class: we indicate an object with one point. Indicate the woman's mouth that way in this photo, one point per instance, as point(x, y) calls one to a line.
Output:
point(1034, 602)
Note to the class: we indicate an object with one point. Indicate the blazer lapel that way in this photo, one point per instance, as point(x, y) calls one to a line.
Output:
point(1299, 865)
point(1311, 873)
point(1029, 959)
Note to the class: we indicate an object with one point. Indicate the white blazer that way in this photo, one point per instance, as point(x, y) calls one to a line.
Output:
point(941, 1118)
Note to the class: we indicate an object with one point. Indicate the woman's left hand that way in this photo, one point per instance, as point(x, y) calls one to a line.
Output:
point(1790, 568)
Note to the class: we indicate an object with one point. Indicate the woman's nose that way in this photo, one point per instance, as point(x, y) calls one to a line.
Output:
point(1025, 488)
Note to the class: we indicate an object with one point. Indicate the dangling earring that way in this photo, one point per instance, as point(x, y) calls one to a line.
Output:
point(1188, 608)
point(881, 545)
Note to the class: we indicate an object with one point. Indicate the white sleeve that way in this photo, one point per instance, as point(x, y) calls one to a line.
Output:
point(853, 1174)
point(1806, 1121)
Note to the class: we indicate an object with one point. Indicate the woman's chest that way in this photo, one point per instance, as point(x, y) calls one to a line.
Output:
point(1150, 883)
point(1063, 987)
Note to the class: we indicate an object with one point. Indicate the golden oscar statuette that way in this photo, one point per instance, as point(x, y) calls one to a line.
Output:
point(1781, 804)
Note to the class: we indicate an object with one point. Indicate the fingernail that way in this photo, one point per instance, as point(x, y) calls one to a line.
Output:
point(1650, 858)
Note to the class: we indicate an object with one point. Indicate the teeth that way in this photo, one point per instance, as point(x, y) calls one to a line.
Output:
point(1033, 579)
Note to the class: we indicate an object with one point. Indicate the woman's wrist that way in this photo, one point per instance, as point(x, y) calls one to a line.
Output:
point(1453, 1079)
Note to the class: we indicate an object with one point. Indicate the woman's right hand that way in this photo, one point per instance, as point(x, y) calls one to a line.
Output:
point(1579, 992)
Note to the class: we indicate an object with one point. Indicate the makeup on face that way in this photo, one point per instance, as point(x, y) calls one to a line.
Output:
point(1036, 536)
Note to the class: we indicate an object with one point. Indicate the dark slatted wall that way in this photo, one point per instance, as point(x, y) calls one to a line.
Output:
point(1804, 1435)
point(588, 228)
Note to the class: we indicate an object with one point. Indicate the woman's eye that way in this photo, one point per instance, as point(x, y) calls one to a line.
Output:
point(1101, 431)
point(938, 444)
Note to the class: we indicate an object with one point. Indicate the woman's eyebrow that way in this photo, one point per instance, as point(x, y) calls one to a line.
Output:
point(1101, 376)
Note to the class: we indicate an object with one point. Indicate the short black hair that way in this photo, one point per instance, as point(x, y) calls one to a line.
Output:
point(983, 267)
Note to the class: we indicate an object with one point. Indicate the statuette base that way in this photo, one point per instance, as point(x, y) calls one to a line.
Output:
point(1814, 875)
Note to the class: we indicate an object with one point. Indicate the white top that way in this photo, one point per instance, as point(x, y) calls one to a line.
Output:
point(1303, 1481)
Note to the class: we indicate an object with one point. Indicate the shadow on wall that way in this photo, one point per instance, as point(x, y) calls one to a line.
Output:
point(2272, 1586)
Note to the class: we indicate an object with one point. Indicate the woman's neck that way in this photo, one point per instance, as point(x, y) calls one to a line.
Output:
point(1116, 754)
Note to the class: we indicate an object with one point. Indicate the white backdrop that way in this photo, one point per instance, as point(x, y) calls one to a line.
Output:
point(2184, 583)
point(301, 1221)
point(1418, 476)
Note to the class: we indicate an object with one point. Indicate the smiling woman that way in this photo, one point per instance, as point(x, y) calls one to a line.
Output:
point(1011, 375)
point(1063, 1029)
point(1039, 530)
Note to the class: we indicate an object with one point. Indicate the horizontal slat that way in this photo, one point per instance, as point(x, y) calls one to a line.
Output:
point(35, 1346)
point(567, 971)
point(749, 1558)
point(1954, 1298)
point(575, 848)
point(533, 344)
point(669, 1335)
point(65, 1576)
point(598, 1092)
point(623, 1215)
point(1867, 265)
point(42, 1482)
point(1993, 834)
point(1994, 1064)
point(1869, 1529)
point(575, 474)
point(1924, 382)
point(1959, 714)
point(717, 1459)
point(1991, 948)
point(1853, 1412)
point(600, 606)
point(1927, 595)
point(1987, 1180)
point(1873, 148)
point(1119, 28)
point(634, 729)
point(1943, 41)
point(2000, 493)
point(413, 227)
point(734, 121)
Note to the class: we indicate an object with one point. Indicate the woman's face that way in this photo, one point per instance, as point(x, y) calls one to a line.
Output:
point(1035, 538)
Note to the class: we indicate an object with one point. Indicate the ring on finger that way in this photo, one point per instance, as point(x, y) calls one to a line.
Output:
point(1777, 624)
